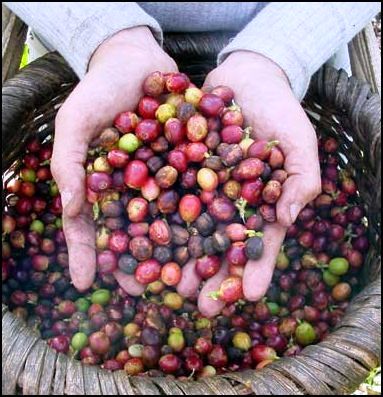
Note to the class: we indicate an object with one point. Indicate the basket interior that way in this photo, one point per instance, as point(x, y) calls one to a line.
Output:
point(360, 156)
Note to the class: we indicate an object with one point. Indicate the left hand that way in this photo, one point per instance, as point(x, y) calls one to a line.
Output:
point(113, 84)
point(263, 92)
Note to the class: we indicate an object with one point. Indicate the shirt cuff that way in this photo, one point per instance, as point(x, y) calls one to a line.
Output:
point(75, 30)
point(102, 24)
point(300, 37)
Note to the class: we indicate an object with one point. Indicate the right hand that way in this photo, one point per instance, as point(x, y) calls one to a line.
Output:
point(112, 85)
point(270, 108)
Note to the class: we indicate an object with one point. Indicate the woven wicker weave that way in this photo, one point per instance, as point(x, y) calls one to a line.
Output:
point(343, 107)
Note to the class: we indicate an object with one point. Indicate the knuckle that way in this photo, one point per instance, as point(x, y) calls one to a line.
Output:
point(55, 167)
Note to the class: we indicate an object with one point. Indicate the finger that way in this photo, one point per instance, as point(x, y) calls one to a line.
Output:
point(129, 284)
point(258, 273)
point(80, 236)
point(304, 182)
point(297, 191)
point(207, 305)
point(190, 281)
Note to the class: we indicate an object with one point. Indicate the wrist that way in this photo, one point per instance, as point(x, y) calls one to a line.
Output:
point(123, 43)
point(254, 63)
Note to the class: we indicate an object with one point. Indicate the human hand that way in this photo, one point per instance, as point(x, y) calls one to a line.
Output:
point(263, 92)
point(112, 85)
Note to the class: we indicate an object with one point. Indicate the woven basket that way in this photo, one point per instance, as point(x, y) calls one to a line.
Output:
point(340, 106)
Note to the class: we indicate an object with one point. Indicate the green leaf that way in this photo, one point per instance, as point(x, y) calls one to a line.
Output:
point(25, 56)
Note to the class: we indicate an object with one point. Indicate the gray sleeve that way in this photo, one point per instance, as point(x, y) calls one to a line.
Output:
point(300, 37)
point(77, 29)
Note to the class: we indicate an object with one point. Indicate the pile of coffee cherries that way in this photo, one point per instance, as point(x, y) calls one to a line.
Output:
point(182, 179)
point(146, 229)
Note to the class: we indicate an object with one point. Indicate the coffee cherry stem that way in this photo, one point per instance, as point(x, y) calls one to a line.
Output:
point(247, 132)
point(240, 303)
point(271, 144)
point(96, 211)
point(235, 107)
point(253, 233)
point(348, 238)
point(320, 265)
point(95, 152)
point(349, 233)
point(73, 353)
point(241, 206)
point(190, 377)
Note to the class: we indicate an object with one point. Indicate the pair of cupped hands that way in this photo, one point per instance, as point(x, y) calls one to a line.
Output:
point(113, 84)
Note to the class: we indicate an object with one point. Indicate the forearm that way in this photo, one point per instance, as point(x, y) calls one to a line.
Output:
point(300, 37)
point(77, 29)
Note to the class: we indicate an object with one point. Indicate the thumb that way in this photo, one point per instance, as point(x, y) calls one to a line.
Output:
point(258, 273)
point(70, 181)
point(206, 304)
point(69, 154)
point(297, 191)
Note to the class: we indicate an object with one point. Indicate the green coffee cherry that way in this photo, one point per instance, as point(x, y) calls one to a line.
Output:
point(202, 323)
point(330, 279)
point(338, 266)
point(101, 296)
point(305, 334)
point(37, 226)
point(53, 189)
point(129, 143)
point(273, 307)
point(282, 261)
point(136, 350)
point(242, 341)
point(79, 341)
point(82, 304)
point(165, 112)
point(176, 340)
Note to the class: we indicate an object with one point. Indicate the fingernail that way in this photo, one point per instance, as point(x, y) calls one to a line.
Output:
point(66, 197)
point(295, 209)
